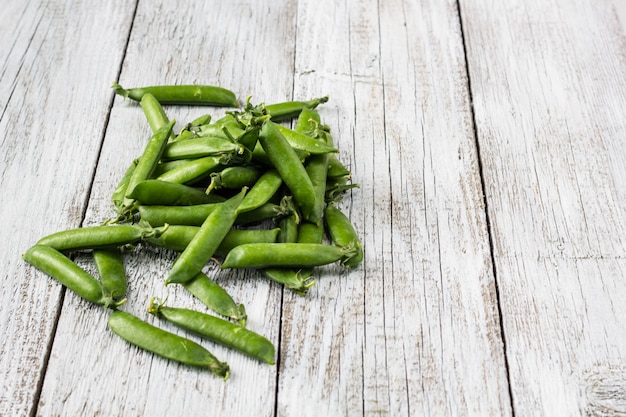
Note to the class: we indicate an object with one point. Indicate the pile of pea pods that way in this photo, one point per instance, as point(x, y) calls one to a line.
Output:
point(244, 191)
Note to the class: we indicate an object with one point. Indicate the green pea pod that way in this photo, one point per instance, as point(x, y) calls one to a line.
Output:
point(343, 234)
point(58, 266)
point(211, 294)
point(305, 143)
point(307, 122)
point(262, 191)
point(194, 95)
point(291, 170)
point(112, 273)
point(157, 192)
point(282, 255)
point(335, 168)
point(176, 215)
point(98, 237)
point(298, 281)
point(178, 237)
point(120, 191)
point(289, 224)
point(192, 170)
point(155, 115)
point(235, 177)
point(290, 109)
point(200, 147)
point(203, 245)
point(217, 330)
point(147, 163)
point(165, 344)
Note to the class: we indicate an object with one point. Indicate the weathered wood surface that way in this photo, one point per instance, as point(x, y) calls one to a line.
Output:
point(427, 325)
point(549, 95)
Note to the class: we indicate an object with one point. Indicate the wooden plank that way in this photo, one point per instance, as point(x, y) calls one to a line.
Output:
point(242, 47)
point(549, 95)
point(415, 330)
point(56, 66)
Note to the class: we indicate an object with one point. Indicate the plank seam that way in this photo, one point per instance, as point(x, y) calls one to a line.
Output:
point(486, 206)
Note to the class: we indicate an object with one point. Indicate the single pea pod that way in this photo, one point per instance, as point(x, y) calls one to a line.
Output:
point(164, 193)
point(291, 170)
point(176, 215)
point(235, 177)
point(163, 343)
point(296, 280)
point(215, 297)
point(217, 330)
point(297, 255)
point(200, 147)
point(262, 191)
point(290, 109)
point(343, 234)
point(58, 266)
point(147, 163)
point(110, 265)
point(306, 144)
point(178, 237)
point(193, 95)
point(203, 245)
point(98, 237)
point(193, 170)
point(155, 115)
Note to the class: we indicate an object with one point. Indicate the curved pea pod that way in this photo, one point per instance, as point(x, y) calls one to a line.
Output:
point(259, 155)
point(147, 162)
point(200, 147)
point(343, 234)
point(178, 237)
point(163, 343)
point(290, 168)
point(217, 330)
point(298, 255)
point(235, 177)
point(212, 295)
point(262, 191)
point(195, 95)
point(157, 192)
point(290, 109)
point(110, 265)
point(98, 237)
point(176, 215)
point(296, 280)
point(308, 122)
point(203, 245)
point(58, 266)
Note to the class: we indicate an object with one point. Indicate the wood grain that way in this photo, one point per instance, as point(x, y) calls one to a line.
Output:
point(198, 43)
point(549, 97)
point(414, 331)
point(56, 66)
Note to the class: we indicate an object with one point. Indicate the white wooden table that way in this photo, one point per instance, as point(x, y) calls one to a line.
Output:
point(489, 142)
